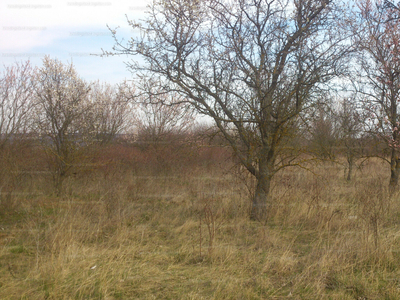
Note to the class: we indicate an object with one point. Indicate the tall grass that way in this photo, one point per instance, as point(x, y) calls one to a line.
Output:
point(129, 233)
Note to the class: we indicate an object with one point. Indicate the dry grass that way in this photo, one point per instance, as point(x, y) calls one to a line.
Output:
point(134, 236)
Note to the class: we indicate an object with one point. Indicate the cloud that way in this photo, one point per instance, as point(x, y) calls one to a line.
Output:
point(68, 29)
point(24, 25)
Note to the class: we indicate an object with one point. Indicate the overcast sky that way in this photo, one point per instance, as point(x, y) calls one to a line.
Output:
point(69, 31)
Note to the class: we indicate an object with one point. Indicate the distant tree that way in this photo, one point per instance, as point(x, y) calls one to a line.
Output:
point(161, 117)
point(376, 29)
point(62, 116)
point(350, 132)
point(112, 110)
point(324, 132)
point(16, 90)
point(163, 123)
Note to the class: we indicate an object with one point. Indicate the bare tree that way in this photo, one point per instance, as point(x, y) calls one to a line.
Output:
point(324, 132)
point(111, 111)
point(16, 90)
point(164, 125)
point(376, 28)
point(252, 66)
point(161, 117)
point(350, 126)
point(62, 120)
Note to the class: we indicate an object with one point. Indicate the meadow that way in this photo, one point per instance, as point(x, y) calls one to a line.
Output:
point(151, 229)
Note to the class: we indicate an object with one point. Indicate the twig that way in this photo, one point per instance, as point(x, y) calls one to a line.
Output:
point(11, 271)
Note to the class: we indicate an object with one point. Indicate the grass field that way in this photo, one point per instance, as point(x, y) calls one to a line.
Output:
point(129, 234)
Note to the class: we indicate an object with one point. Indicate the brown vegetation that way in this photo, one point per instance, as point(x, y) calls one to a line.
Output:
point(122, 232)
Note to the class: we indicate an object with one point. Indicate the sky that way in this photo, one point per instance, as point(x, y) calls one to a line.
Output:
point(70, 31)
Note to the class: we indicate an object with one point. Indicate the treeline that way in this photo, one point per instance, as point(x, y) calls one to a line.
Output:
point(55, 123)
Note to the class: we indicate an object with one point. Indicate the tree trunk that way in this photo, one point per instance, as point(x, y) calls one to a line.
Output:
point(261, 203)
point(59, 177)
point(394, 171)
point(58, 184)
point(350, 162)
